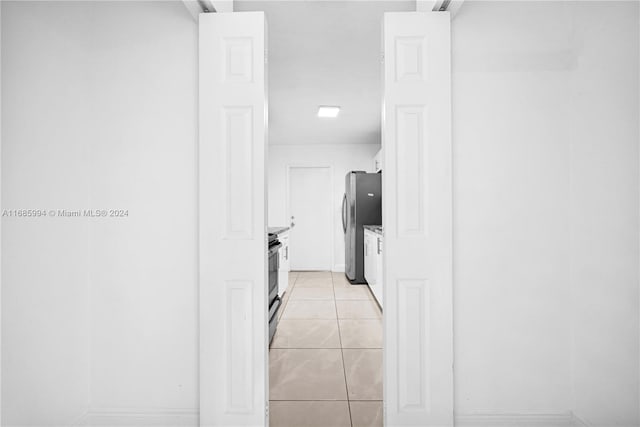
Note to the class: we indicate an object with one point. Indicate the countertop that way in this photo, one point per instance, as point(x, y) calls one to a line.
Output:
point(375, 228)
point(277, 230)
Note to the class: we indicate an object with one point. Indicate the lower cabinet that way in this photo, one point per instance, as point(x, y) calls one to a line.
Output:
point(283, 270)
point(379, 276)
point(373, 263)
point(369, 261)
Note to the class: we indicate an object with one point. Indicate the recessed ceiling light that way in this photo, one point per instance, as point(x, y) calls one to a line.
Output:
point(326, 111)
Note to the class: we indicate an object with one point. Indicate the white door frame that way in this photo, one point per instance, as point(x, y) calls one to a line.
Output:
point(331, 190)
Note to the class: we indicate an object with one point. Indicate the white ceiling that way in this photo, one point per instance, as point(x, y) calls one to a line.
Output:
point(324, 53)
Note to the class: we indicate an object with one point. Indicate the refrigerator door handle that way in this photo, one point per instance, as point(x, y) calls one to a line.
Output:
point(344, 213)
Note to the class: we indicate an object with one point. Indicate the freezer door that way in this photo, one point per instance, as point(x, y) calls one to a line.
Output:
point(367, 211)
point(350, 227)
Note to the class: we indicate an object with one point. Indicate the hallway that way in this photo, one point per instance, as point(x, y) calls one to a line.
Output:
point(326, 357)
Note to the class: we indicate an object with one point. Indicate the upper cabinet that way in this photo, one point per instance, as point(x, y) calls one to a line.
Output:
point(377, 161)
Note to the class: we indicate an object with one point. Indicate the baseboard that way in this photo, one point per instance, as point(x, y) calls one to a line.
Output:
point(80, 421)
point(116, 417)
point(578, 422)
point(338, 268)
point(559, 419)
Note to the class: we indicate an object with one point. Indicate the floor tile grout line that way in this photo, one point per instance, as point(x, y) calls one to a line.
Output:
point(344, 367)
point(284, 306)
point(337, 320)
point(325, 299)
point(326, 348)
point(323, 400)
point(332, 317)
point(320, 348)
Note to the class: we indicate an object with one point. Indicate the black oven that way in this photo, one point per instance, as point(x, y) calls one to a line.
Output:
point(273, 301)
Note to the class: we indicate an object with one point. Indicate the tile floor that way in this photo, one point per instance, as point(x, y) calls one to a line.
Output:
point(325, 362)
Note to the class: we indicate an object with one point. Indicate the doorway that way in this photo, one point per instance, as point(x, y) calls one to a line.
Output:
point(416, 152)
point(309, 209)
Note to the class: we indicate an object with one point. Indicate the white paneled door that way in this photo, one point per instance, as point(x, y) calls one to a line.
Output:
point(233, 270)
point(417, 217)
point(311, 210)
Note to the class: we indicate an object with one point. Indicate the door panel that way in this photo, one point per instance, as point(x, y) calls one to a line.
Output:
point(350, 232)
point(233, 248)
point(417, 215)
point(310, 204)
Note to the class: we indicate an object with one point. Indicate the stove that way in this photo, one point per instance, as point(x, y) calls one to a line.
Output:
point(273, 301)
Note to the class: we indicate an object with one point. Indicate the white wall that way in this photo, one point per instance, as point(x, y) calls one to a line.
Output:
point(341, 157)
point(144, 268)
point(99, 111)
point(545, 134)
point(101, 314)
point(0, 209)
point(604, 215)
point(45, 328)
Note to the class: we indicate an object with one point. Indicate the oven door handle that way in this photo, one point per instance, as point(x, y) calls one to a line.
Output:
point(274, 307)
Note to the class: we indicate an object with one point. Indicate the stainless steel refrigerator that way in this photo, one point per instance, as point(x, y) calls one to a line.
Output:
point(361, 205)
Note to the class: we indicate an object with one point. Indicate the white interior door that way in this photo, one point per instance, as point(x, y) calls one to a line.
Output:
point(233, 247)
point(417, 217)
point(310, 206)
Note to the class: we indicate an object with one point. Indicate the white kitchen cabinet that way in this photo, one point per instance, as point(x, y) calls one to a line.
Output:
point(377, 291)
point(373, 263)
point(369, 260)
point(377, 161)
point(283, 270)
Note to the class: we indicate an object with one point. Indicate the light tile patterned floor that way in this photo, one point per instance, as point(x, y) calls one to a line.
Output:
point(325, 362)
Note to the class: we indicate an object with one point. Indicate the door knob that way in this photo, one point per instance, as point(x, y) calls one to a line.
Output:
point(293, 223)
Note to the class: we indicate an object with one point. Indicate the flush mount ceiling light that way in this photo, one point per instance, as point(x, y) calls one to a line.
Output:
point(327, 111)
